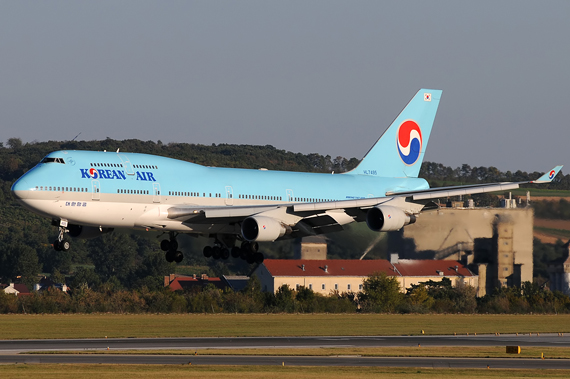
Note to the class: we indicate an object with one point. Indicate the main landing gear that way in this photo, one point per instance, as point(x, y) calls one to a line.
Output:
point(248, 252)
point(171, 248)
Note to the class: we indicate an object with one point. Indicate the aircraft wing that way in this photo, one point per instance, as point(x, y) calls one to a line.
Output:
point(324, 217)
point(434, 193)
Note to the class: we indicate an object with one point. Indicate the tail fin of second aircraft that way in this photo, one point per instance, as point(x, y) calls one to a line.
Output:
point(400, 150)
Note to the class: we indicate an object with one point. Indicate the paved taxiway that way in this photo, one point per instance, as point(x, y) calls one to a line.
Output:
point(13, 351)
point(292, 361)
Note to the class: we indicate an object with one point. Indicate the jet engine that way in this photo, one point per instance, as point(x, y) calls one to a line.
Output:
point(385, 218)
point(85, 232)
point(260, 228)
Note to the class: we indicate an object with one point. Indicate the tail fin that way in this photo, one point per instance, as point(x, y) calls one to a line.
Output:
point(399, 152)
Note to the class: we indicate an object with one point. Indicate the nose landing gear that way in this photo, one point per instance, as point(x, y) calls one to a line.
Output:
point(60, 244)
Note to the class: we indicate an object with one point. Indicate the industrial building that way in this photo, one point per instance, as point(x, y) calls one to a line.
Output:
point(559, 271)
point(495, 243)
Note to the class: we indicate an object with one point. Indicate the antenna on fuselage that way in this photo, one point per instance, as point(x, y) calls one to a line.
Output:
point(118, 150)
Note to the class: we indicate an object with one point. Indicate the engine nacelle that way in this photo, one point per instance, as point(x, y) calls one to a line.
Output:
point(260, 228)
point(385, 218)
point(80, 231)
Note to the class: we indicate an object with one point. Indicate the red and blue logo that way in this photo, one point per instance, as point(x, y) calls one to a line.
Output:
point(409, 141)
point(93, 173)
point(551, 174)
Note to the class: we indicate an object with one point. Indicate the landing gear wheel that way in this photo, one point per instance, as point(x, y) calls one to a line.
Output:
point(253, 247)
point(178, 257)
point(170, 256)
point(225, 254)
point(173, 245)
point(56, 246)
point(64, 245)
point(216, 252)
point(165, 245)
point(250, 259)
point(258, 258)
point(236, 252)
point(207, 251)
point(249, 247)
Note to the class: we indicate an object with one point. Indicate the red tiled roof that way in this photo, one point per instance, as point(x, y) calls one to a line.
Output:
point(181, 283)
point(354, 267)
point(427, 267)
point(21, 288)
point(336, 267)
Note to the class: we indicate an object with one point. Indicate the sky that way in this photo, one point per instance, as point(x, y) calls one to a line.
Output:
point(323, 77)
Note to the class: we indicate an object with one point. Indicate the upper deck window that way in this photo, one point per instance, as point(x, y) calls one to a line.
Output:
point(53, 160)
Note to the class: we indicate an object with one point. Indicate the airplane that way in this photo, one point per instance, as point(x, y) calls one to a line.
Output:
point(89, 193)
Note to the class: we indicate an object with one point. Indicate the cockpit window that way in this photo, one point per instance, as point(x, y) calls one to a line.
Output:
point(53, 160)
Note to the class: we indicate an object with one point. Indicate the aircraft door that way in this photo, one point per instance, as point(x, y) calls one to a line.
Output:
point(127, 164)
point(156, 192)
point(289, 195)
point(229, 195)
point(96, 190)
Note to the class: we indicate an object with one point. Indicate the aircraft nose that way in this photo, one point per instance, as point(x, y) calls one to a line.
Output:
point(21, 189)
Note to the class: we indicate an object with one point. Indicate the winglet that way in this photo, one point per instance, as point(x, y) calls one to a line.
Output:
point(548, 176)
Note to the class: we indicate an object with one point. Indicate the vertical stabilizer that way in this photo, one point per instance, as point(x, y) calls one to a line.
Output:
point(399, 152)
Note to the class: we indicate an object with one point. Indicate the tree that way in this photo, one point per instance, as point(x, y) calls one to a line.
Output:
point(284, 299)
point(113, 254)
point(419, 299)
point(14, 143)
point(380, 293)
point(22, 263)
point(86, 278)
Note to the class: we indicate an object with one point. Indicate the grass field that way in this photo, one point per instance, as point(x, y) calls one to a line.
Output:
point(48, 371)
point(538, 192)
point(558, 233)
point(230, 325)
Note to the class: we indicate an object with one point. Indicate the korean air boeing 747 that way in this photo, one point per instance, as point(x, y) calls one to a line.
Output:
point(88, 193)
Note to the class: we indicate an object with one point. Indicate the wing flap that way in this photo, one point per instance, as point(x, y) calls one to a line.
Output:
point(342, 204)
point(217, 212)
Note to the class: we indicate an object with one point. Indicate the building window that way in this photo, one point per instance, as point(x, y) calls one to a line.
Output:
point(297, 286)
point(323, 287)
point(336, 286)
point(360, 287)
point(310, 286)
point(348, 287)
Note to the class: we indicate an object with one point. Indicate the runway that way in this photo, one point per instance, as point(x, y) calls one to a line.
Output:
point(14, 351)
point(20, 346)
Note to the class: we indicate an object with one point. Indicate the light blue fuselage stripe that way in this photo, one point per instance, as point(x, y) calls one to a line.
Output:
point(181, 176)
